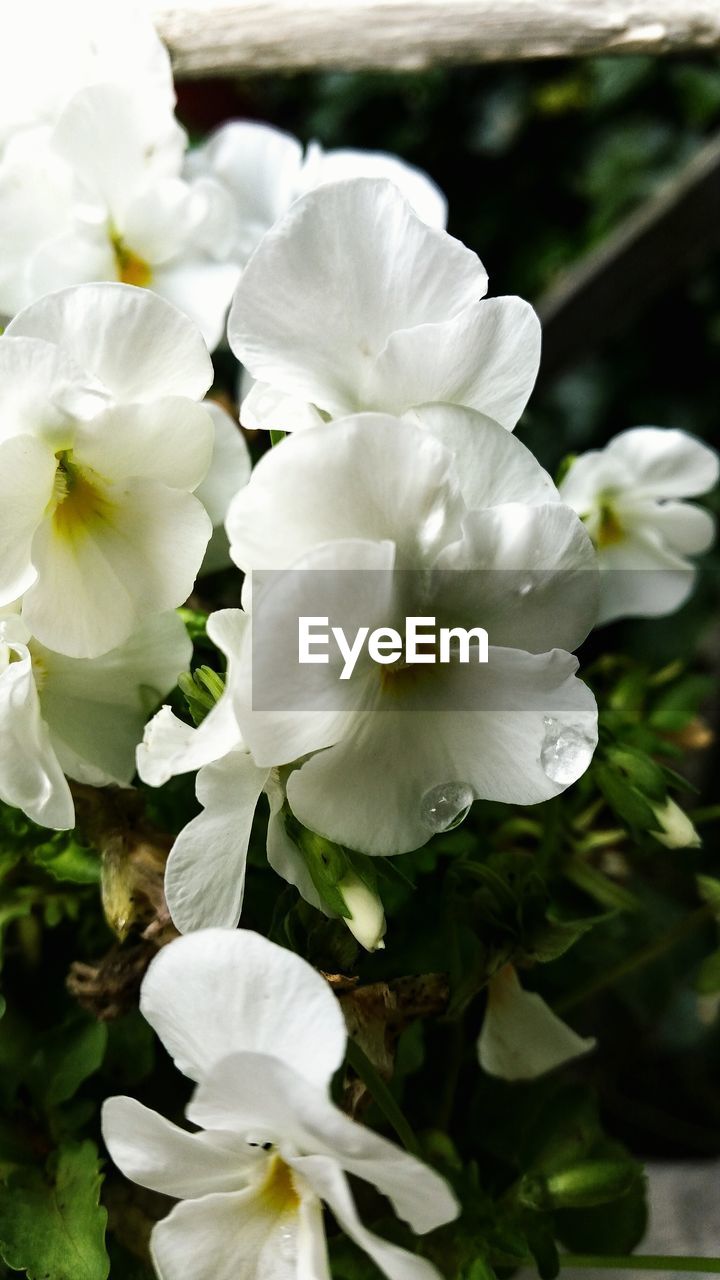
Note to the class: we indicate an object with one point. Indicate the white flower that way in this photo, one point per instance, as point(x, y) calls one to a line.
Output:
point(229, 470)
point(48, 52)
point(521, 1037)
point(100, 444)
point(627, 494)
point(205, 873)
point(263, 170)
point(351, 302)
point(262, 1035)
point(386, 758)
point(100, 196)
point(80, 717)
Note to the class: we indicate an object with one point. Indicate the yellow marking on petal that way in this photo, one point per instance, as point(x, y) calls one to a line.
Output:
point(278, 1191)
point(78, 502)
point(609, 528)
point(131, 268)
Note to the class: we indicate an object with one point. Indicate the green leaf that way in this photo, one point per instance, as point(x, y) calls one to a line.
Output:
point(52, 1225)
point(709, 890)
point(69, 861)
point(67, 1057)
point(708, 978)
point(625, 800)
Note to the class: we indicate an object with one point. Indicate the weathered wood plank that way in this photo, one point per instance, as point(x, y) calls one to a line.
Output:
point(216, 37)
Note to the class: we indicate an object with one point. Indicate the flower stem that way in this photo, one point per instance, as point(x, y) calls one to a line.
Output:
point(641, 1262)
point(637, 960)
point(382, 1096)
point(277, 436)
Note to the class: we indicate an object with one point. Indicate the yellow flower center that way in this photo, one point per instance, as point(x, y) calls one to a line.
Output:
point(78, 501)
point(131, 268)
point(278, 1191)
point(609, 528)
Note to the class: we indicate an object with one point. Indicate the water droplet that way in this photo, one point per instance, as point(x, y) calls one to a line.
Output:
point(446, 806)
point(566, 751)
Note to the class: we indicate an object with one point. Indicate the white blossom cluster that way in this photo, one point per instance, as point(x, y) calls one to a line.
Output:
point(363, 331)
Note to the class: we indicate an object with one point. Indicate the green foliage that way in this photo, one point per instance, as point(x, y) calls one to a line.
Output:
point(52, 1225)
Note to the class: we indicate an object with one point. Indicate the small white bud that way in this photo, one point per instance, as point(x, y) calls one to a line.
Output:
point(676, 829)
point(367, 919)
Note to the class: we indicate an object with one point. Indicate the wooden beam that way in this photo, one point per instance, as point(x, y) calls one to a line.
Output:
point(219, 37)
point(670, 235)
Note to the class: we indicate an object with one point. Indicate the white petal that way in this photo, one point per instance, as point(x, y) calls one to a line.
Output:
point(249, 1089)
point(230, 467)
point(202, 289)
point(135, 343)
point(266, 409)
point(96, 707)
point(349, 264)
point(221, 991)
point(282, 853)
point(43, 392)
point(30, 776)
point(486, 358)
point(685, 528)
point(519, 729)
point(157, 1154)
point(521, 1037)
point(528, 575)
point(665, 463)
point(93, 589)
point(27, 471)
point(492, 465)
point(329, 1182)
point(347, 479)
point(170, 440)
point(234, 1236)
point(423, 194)
point(205, 873)
point(642, 578)
point(259, 165)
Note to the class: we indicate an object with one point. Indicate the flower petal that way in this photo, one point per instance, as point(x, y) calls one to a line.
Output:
point(521, 1037)
point(30, 776)
point(349, 264)
point(141, 557)
point(329, 1182)
point(151, 1151)
point(642, 578)
point(27, 471)
point(314, 488)
point(665, 463)
point(486, 358)
point(235, 1236)
point(221, 991)
point(230, 466)
point(96, 707)
point(254, 1089)
point(519, 729)
point(170, 440)
point(139, 346)
point(282, 853)
point(423, 194)
point(202, 289)
point(205, 873)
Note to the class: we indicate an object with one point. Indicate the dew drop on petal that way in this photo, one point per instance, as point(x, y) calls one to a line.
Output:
point(446, 806)
point(565, 752)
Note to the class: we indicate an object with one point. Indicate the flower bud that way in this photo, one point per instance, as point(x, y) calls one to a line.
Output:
point(581, 1186)
point(366, 921)
point(676, 831)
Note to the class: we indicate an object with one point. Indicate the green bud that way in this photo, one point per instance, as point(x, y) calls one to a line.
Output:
point(580, 1186)
point(674, 828)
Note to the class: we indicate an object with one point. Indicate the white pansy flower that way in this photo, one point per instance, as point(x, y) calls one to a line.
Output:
point(264, 170)
point(521, 1037)
point(352, 302)
point(75, 716)
point(630, 495)
point(385, 758)
point(229, 470)
point(100, 196)
point(48, 52)
point(205, 873)
point(262, 1035)
point(101, 443)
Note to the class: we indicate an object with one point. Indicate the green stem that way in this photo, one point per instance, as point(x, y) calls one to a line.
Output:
point(709, 814)
point(382, 1096)
point(277, 436)
point(640, 1262)
point(637, 960)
